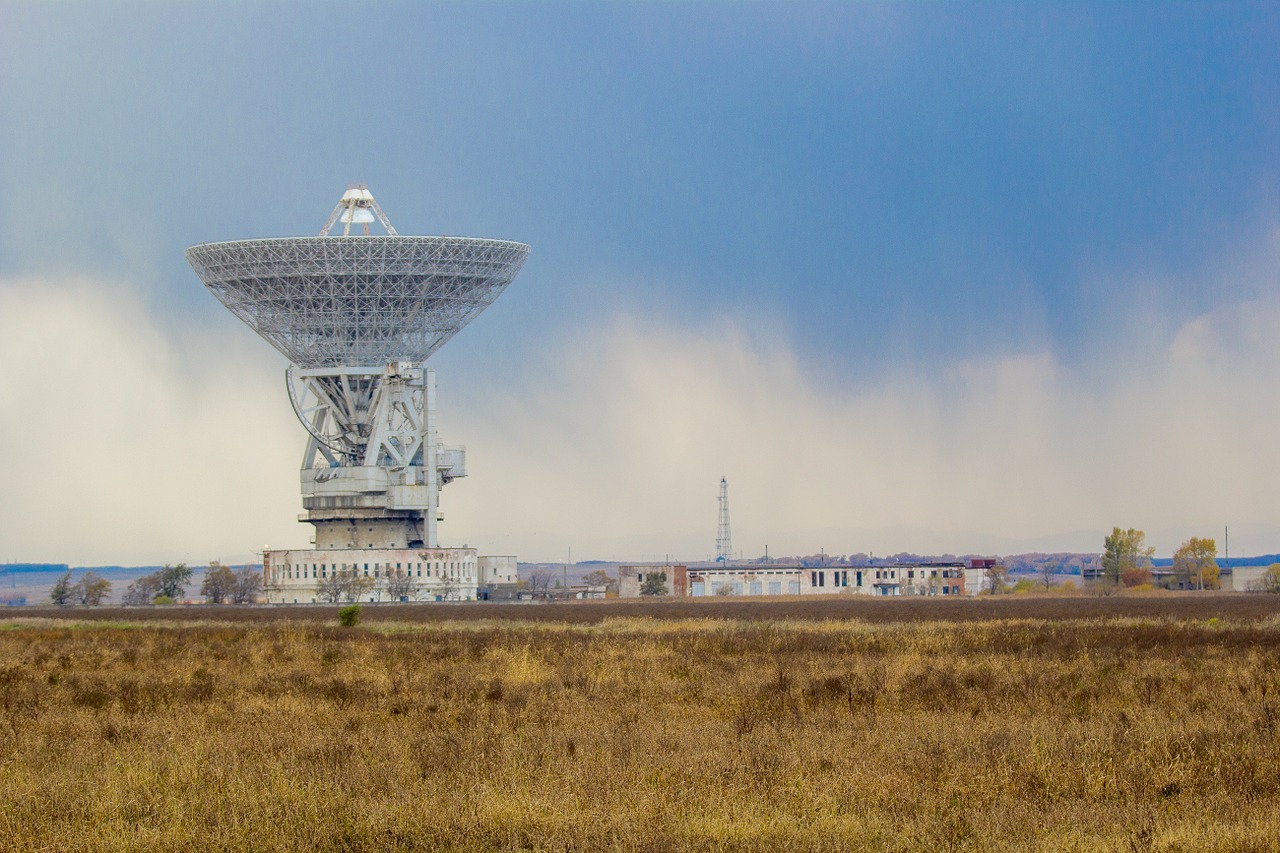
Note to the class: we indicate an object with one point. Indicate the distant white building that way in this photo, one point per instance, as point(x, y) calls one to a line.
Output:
point(497, 570)
point(1247, 578)
point(767, 580)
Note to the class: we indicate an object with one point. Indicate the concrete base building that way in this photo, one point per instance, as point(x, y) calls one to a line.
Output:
point(372, 575)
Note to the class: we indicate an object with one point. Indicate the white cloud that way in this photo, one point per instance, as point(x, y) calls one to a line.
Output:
point(128, 440)
point(616, 446)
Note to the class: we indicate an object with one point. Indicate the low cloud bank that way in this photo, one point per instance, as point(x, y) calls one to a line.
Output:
point(131, 441)
point(615, 447)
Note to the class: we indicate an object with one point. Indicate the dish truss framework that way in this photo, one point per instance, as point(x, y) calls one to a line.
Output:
point(357, 316)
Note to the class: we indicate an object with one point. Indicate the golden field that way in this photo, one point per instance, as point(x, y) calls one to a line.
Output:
point(596, 728)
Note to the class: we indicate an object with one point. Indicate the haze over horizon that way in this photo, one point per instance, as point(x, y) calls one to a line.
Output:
point(914, 277)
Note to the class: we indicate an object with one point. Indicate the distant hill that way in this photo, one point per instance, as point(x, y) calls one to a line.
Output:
point(32, 567)
point(1264, 560)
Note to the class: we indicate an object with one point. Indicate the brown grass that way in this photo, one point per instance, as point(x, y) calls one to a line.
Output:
point(617, 732)
point(1162, 604)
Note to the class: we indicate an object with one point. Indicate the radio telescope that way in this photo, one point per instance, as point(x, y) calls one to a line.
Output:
point(358, 315)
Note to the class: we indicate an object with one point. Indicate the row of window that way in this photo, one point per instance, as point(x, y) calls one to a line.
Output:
point(698, 588)
point(453, 570)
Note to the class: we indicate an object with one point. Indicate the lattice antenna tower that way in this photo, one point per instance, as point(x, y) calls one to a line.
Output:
point(724, 543)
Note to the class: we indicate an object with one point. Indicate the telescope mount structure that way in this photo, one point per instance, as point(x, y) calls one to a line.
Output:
point(358, 315)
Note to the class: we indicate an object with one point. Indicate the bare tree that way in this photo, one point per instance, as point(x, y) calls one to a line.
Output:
point(142, 591)
point(402, 586)
point(248, 583)
point(219, 583)
point(997, 577)
point(600, 578)
point(449, 588)
point(343, 585)
point(1046, 570)
point(540, 582)
point(330, 588)
point(92, 589)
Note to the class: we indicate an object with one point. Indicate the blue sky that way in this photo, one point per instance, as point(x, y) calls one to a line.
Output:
point(898, 206)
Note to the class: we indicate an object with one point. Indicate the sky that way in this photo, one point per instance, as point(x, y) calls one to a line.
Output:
point(942, 278)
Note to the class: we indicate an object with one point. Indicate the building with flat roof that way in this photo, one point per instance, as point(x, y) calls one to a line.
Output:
point(774, 579)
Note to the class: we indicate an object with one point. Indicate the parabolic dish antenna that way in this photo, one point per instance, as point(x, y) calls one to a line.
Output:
point(357, 300)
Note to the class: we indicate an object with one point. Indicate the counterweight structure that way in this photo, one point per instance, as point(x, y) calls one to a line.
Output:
point(358, 316)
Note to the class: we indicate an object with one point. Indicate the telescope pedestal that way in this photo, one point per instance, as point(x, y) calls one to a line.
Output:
point(373, 469)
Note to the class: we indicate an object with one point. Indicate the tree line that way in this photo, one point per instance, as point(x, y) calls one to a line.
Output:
point(1126, 562)
point(221, 585)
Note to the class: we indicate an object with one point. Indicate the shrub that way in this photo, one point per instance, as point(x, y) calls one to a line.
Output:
point(1135, 577)
point(349, 615)
point(1270, 580)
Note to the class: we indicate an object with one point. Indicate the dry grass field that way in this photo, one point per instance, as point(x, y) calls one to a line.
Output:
point(715, 729)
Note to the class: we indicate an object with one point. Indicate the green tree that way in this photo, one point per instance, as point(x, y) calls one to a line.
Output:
point(654, 583)
point(92, 589)
point(173, 581)
point(1194, 565)
point(219, 583)
point(1124, 550)
point(62, 591)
